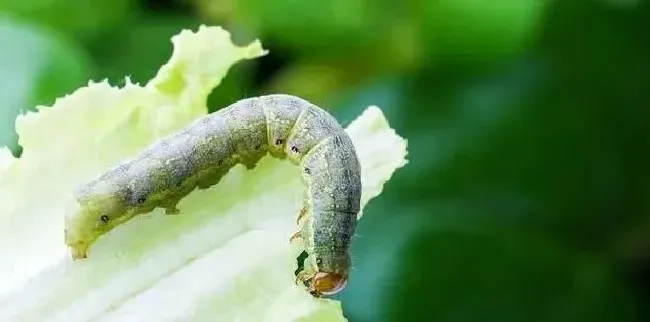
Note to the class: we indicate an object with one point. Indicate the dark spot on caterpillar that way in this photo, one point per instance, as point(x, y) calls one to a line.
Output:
point(257, 147)
point(104, 218)
point(307, 171)
point(220, 162)
point(279, 141)
point(294, 149)
point(132, 196)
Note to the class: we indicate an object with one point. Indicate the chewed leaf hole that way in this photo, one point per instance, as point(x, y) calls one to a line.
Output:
point(301, 262)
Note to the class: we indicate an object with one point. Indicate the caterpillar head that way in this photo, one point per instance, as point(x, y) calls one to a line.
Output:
point(92, 215)
point(324, 283)
point(329, 276)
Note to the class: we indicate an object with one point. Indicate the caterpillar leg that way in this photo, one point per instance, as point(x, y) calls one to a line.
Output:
point(304, 278)
point(211, 177)
point(296, 236)
point(249, 161)
point(172, 211)
point(249, 165)
point(170, 207)
point(301, 215)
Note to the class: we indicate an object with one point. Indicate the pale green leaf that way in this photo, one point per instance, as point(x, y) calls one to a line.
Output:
point(226, 257)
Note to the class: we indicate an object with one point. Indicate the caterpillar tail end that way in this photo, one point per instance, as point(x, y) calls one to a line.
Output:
point(78, 249)
point(79, 252)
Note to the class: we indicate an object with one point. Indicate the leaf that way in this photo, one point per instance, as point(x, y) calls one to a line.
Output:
point(225, 257)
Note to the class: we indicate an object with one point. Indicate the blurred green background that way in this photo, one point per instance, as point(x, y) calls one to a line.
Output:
point(528, 190)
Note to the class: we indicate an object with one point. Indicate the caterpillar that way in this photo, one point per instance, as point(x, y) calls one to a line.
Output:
point(198, 156)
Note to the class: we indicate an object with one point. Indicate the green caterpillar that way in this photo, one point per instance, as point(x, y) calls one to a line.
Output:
point(200, 155)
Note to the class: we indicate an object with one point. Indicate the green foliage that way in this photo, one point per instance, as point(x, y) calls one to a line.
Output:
point(37, 66)
point(75, 18)
point(477, 31)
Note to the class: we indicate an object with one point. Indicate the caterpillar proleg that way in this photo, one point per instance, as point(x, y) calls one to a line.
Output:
point(199, 155)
